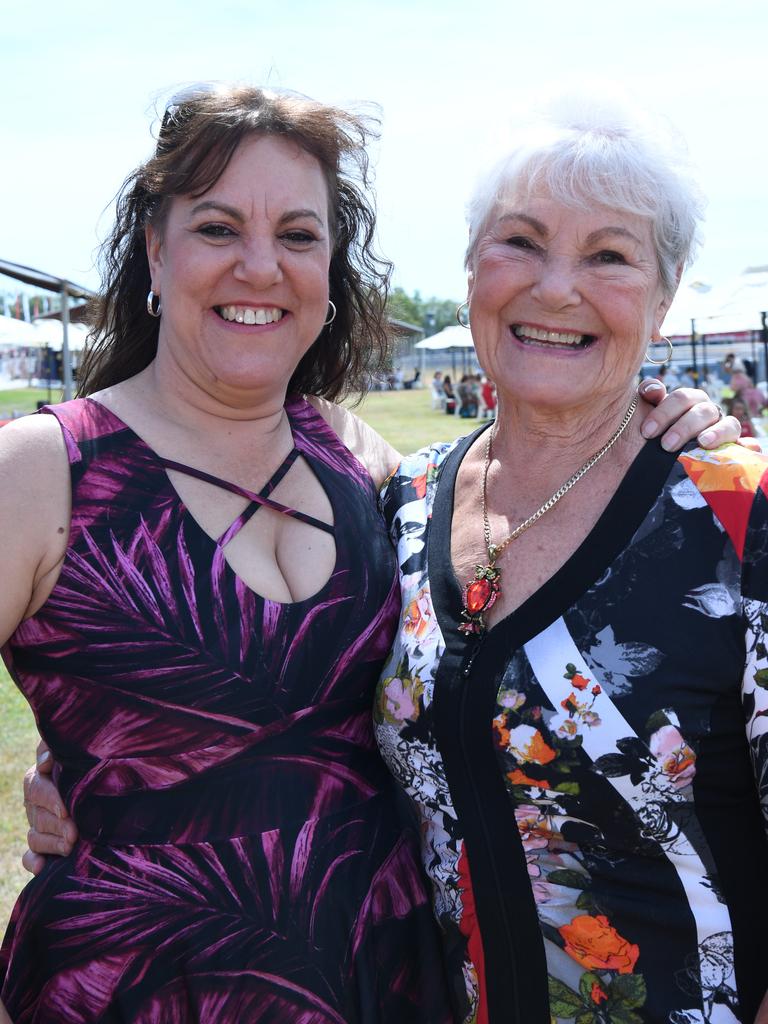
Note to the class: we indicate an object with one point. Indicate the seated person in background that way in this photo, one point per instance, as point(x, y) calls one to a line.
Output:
point(743, 387)
point(738, 407)
point(450, 395)
point(488, 399)
point(438, 394)
point(467, 401)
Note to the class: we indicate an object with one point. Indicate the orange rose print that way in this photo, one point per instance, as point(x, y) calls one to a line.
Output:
point(526, 744)
point(594, 944)
point(419, 484)
point(501, 730)
point(518, 778)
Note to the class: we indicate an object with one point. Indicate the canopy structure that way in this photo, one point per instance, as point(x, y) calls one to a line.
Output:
point(67, 290)
point(733, 313)
point(17, 333)
point(729, 308)
point(51, 333)
point(449, 337)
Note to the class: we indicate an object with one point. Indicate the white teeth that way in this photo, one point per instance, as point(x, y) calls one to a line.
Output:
point(249, 315)
point(525, 332)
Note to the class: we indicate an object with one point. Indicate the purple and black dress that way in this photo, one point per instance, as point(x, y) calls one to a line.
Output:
point(242, 857)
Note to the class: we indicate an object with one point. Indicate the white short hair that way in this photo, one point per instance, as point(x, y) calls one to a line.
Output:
point(585, 153)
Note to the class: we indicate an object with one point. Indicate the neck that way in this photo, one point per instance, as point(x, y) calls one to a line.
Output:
point(220, 411)
point(562, 439)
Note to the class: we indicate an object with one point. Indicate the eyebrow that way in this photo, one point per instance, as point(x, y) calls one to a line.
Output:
point(595, 236)
point(532, 222)
point(598, 235)
point(232, 211)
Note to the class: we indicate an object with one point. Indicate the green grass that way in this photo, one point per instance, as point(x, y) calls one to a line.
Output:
point(21, 400)
point(407, 421)
point(18, 739)
point(404, 418)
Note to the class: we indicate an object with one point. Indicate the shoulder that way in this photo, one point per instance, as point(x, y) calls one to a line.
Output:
point(31, 445)
point(369, 447)
point(414, 478)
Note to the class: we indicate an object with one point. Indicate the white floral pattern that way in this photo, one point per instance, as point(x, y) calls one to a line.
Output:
point(600, 731)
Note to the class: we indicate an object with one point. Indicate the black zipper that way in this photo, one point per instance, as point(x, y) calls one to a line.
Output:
point(501, 903)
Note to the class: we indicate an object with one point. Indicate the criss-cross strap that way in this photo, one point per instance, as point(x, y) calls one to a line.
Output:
point(255, 501)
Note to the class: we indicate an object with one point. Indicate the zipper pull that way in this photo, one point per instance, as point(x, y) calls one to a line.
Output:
point(473, 654)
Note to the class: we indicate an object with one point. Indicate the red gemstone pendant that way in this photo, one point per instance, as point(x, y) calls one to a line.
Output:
point(480, 594)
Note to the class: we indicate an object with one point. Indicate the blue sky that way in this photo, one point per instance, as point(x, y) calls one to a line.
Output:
point(81, 82)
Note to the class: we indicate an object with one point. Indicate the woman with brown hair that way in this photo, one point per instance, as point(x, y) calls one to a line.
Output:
point(199, 598)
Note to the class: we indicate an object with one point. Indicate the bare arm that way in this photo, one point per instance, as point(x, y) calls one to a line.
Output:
point(34, 516)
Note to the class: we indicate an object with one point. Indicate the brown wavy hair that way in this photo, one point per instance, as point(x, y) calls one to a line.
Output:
point(198, 137)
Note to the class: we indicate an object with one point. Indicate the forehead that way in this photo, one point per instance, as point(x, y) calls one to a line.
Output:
point(270, 175)
point(551, 215)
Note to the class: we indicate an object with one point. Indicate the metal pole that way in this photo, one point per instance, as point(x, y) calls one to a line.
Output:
point(693, 350)
point(764, 334)
point(66, 359)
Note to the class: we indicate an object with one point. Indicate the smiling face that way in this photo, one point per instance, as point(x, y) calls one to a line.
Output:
point(242, 272)
point(563, 302)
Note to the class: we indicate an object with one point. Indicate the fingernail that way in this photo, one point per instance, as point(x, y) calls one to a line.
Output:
point(671, 442)
point(649, 428)
point(44, 758)
point(651, 385)
point(63, 846)
point(707, 437)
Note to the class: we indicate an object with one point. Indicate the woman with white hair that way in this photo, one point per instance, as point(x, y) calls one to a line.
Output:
point(577, 700)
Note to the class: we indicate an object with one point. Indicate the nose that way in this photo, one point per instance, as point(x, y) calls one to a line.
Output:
point(258, 262)
point(556, 284)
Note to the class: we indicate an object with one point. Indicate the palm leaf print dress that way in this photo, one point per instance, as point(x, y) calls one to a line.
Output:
point(241, 856)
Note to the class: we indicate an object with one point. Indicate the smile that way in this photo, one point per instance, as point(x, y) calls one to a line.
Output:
point(249, 315)
point(540, 338)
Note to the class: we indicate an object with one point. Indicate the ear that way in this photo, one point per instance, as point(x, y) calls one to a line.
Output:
point(470, 284)
point(154, 255)
point(664, 304)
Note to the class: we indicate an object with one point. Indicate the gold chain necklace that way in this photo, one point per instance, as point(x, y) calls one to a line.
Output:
point(484, 588)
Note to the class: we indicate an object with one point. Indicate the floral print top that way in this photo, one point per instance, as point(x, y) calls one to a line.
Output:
point(591, 776)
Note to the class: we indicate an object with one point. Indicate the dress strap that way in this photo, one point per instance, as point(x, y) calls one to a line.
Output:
point(255, 501)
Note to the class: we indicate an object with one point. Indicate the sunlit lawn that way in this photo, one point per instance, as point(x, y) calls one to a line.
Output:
point(407, 421)
point(21, 400)
point(403, 417)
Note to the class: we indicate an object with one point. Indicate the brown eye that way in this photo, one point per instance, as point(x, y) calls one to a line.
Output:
point(609, 256)
point(520, 242)
point(216, 231)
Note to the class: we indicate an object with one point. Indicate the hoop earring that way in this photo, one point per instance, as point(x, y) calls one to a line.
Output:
point(332, 317)
point(151, 304)
point(667, 358)
point(458, 315)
